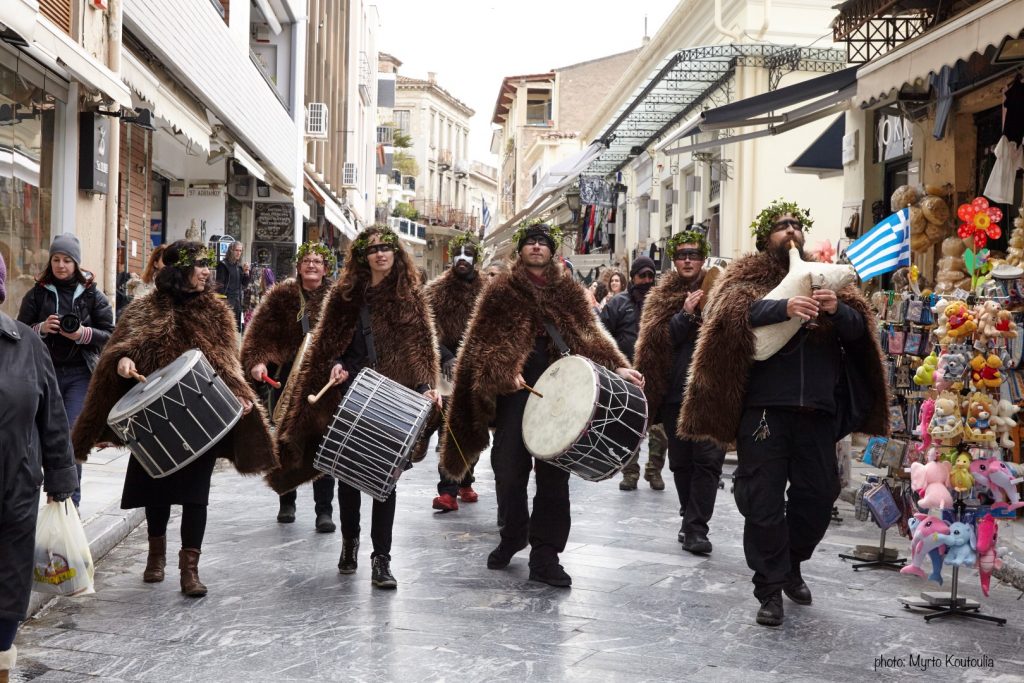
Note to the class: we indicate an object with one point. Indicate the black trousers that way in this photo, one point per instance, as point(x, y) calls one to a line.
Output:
point(547, 528)
point(381, 524)
point(193, 523)
point(323, 495)
point(696, 468)
point(778, 534)
point(450, 486)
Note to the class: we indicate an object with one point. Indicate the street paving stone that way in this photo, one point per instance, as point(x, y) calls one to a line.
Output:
point(640, 608)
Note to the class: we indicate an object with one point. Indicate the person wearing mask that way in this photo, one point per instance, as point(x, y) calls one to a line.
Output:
point(232, 279)
point(621, 317)
point(784, 413)
point(74, 319)
point(35, 450)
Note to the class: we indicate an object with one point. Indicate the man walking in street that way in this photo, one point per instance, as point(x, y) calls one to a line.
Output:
point(621, 317)
point(784, 413)
point(232, 279)
point(668, 335)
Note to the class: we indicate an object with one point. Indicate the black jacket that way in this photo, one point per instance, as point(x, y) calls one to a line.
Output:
point(224, 284)
point(683, 329)
point(34, 449)
point(621, 317)
point(91, 307)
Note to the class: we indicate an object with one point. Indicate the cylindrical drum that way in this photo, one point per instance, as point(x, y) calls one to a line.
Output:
point(180, 412)
point(589, 422)
point(371, 438)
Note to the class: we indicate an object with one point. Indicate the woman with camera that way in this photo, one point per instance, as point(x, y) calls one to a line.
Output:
point(74, 319)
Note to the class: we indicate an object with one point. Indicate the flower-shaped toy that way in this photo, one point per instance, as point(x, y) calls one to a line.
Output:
point(980, 221)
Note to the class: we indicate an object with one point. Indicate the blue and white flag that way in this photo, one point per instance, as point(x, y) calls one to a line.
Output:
point(485, 214)
point(883, 248)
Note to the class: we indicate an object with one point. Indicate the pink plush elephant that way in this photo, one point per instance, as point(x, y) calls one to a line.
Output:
point(931, 481)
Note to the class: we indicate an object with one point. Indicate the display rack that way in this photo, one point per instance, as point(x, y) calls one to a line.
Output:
point(884, 558)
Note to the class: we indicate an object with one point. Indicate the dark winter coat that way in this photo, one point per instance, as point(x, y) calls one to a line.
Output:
point(621, 317)
point(92, 308)
point(451, 299)
point(34, 449)
point(501, 335)
point(406, 348)
point(717, 386)
point(153, 332)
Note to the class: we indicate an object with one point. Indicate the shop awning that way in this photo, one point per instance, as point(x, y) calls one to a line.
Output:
point(165, 104)
point(564, 172)
point(20, 16)
point(245, 159)
point(332, 212)
point(974, 31)
point(811, 100)
point(824, 157)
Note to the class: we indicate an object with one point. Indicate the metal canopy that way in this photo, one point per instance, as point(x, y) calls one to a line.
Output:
point(684, 80)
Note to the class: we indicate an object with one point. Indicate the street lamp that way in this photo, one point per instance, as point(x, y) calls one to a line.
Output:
point(572, 199)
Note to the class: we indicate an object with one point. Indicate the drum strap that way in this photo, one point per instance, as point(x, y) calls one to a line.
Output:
point(303, 312)
point(364, 321)
point(557, 337)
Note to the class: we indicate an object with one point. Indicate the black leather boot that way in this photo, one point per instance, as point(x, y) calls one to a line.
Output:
point(382, 577)
point(770, 612)
point(349, 549)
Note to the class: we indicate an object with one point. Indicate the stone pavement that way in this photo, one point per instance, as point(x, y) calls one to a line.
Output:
point(640, 608)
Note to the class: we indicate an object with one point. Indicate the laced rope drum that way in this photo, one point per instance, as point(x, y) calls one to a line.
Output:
point(371, 437)
point(590, 421)
point(180, 412)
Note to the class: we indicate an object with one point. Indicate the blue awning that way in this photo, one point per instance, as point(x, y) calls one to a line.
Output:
point(824, 157)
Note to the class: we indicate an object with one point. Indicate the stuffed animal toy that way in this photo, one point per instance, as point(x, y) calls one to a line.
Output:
point(945, 422)
point(923, 542)
point(961, 543)
point(979, 420)
point(960, 321)
point(960, 476)
point(950, 370)
point(927, 412)
point(988, 558)
point(987, 316)
point(1005, 325)
point(931, 481)
point(1003, 422)
point(995, 476)
point(985, 371)
point(941, 321)
point(925, 374)
point(936, 554)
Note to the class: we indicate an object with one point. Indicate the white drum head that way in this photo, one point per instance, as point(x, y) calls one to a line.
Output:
point(144, 393)
point(553, 423)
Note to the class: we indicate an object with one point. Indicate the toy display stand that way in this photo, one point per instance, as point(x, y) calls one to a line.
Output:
point(870, 557)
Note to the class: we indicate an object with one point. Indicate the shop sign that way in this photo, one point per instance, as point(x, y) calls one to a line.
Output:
point(894, 137)
point(215, 191)
point(274, 222)
point(93, 152)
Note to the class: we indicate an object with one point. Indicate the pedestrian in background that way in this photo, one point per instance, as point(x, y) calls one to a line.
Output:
point(232, 279)
point(74, 320)
point(35, 447)
point(148, 281)
point(616, 281)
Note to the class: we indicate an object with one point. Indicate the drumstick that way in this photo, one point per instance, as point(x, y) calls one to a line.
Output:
point(137, 377)
point(313, 399)
point(532, 390)
point(271, 381)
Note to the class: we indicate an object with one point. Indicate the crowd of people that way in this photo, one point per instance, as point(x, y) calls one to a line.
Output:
point(483, 337)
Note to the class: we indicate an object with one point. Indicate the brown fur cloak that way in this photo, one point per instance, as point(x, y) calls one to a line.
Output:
point(451, 300)
point(498, 341)
point(153, 331)
point(653, 355)
point(724, 355)
point(274, 334)
point(403, 334)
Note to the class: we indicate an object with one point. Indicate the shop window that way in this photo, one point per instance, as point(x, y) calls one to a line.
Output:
point(538, 108)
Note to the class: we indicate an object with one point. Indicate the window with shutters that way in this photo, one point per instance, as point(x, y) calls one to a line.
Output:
point(57, 11)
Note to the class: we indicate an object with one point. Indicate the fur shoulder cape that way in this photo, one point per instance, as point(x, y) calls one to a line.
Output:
point(653, 355)
point(274, 334)
point(153, 331)
point(451, 300)
point(403, 334)
point(724, 355)
point(499, 339)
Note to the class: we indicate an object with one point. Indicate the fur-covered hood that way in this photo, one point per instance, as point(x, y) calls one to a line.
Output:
point(154, 331)
point(274, 334)
point(508, 316)
point(721, 364)
point(403, 333)
point(451, 300)
point(653, 355)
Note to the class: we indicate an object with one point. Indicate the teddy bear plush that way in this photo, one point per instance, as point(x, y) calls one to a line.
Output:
point(979, 419)
point(1005, 325)
point(960, 322)
point(950, 369)
point(941, 321)
point(987, 316)
point(1003, 422)
point(946, 422)
point(985, 371)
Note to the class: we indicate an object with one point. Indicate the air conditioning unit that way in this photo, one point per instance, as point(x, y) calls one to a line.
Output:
point(349, 174)
point(316, 120)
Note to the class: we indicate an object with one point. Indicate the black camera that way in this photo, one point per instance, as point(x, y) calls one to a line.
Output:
point(69, 323)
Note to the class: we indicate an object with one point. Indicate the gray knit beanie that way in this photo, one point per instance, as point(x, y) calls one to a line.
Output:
point(67, 244)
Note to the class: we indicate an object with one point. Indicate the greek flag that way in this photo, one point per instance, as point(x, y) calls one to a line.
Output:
point(883, 248)
point(485, 215)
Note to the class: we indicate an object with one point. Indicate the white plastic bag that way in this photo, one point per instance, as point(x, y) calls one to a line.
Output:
point(62, 563)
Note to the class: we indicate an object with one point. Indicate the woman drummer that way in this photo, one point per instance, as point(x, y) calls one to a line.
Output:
point(379, 276)
point(181, 314)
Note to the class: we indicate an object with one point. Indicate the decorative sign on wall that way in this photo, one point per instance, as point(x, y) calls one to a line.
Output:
point(274, 222)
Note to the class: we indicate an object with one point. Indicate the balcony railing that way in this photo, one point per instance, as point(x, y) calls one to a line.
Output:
point(364, 78)
point(385, 135)
point(444, 159)
point(436, 213)
point(409, 183)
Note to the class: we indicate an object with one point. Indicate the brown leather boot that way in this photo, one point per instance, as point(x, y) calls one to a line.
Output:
point(188, 563)
point(156, 561)
point(8, 658)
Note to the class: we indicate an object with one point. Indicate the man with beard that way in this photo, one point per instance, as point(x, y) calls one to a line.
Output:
point(280, 326)
point(451, 298)
point(621, 317)
point(668, 334)
point(784, 413)
point(506, 349)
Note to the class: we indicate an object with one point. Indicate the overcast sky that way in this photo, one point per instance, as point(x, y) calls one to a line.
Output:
point(473, 44)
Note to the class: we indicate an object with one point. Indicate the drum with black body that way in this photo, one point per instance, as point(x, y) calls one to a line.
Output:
point(587, 420)
point(370, 440)
point(178, 413)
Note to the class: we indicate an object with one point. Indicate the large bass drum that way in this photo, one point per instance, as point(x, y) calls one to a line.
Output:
point(370, 440)
point(180, 412)
point(590, 422)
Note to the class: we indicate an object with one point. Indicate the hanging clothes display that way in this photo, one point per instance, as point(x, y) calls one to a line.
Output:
point(1009, 151)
